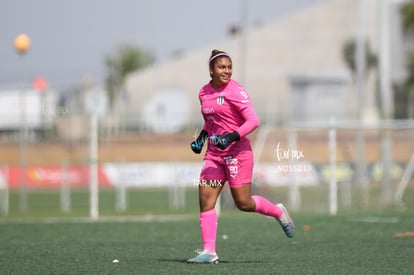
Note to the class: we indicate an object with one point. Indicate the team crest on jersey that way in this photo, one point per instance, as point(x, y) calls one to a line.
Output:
point(220, 100)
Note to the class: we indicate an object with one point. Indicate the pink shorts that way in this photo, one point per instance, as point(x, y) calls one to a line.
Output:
point(236, 170)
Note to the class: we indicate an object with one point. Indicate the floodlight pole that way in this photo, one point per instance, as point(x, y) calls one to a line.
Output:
point(22, 45)
point(360, 57)
point(23, 151)
point(387, 101)
point(333, 185)
point(243, 40)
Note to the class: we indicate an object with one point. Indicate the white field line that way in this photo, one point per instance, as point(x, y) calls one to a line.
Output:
point(377, 219)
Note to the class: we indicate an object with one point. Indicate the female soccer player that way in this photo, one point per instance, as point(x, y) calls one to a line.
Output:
point(228, 118)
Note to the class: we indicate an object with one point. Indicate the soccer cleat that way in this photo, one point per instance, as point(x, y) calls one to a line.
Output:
point(204, 257)
point(286, 222)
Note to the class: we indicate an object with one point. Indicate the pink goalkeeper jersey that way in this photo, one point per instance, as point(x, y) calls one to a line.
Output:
point(227, 109)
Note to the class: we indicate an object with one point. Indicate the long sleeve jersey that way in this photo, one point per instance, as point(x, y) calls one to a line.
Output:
point(227, 109)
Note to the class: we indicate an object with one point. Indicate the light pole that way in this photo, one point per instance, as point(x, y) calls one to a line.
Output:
point(22, 45)
point(386, 94)
point(360, 57)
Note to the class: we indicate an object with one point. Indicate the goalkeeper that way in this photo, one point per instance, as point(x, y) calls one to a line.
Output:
point(229, 117)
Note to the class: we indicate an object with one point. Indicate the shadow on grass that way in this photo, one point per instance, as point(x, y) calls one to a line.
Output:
point(221, 262)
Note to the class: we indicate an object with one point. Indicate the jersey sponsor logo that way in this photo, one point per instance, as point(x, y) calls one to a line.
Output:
point(220, 100)
point(208, 110)
point(243, 93)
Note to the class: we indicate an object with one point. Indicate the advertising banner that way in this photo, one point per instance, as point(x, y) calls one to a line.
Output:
point(53, 176)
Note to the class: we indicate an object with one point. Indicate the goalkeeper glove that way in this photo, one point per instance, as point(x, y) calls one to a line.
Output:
point(197, 145)
point(224, 141)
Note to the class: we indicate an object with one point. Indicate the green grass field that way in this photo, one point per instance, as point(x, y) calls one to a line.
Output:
point(255, 245)
point(367, 242)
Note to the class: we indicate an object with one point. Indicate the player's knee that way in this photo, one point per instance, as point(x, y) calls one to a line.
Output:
point(206, 203)
point(244, 205)
point(206, 206)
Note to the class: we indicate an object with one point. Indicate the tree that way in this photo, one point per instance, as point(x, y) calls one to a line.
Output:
point(125, 60)
point(407, 17)
point(349, 51)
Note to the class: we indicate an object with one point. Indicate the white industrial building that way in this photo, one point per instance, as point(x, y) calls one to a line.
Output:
point(292, 67)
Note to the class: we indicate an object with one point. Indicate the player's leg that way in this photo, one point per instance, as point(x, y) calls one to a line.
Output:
point(208, 217)
point(240, 172)
point(208, 192)
point(245, 202)
point(210, 185)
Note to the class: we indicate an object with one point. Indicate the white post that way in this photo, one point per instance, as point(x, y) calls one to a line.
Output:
point(259, 143)
point(65, 204)
point(384, 60)
point(360, 55)
point(121, 199)
point(93, 168)
point(177, 188)
point(4, 190)
point(408, 174)
point(294, 193)
point(333, 200)
point(386, 99)
point(173, 197)
point(23, 151)
point(243, 40)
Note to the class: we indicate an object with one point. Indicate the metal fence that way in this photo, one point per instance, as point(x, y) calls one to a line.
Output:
point(358, 165)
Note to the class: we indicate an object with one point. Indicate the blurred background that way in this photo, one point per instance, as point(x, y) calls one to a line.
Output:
point(98, 103)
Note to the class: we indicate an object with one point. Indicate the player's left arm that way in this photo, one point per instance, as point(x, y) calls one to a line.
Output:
point(245, 107)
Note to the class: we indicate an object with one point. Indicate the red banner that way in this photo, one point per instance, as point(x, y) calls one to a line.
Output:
point(52, 176)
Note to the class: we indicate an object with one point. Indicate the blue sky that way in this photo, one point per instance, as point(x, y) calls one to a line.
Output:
point(70, 39)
